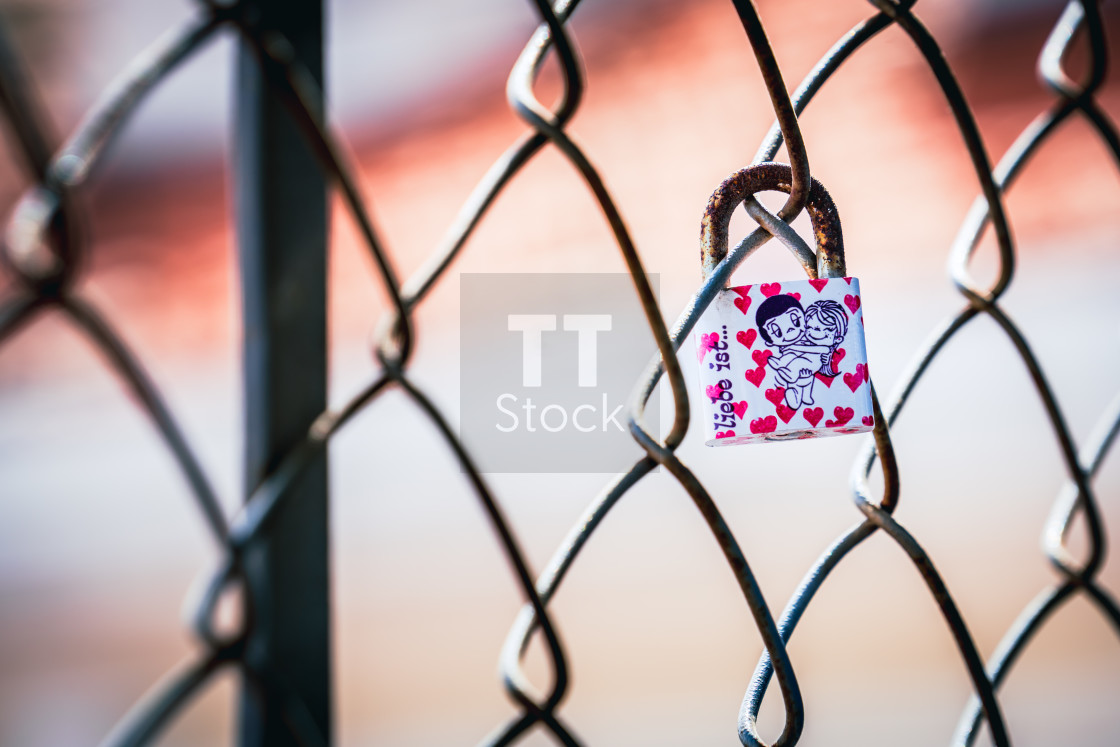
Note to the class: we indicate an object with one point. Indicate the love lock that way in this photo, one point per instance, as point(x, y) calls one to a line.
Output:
point(783, 360)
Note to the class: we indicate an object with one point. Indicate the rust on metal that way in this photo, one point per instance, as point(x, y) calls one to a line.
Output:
point(771, 177)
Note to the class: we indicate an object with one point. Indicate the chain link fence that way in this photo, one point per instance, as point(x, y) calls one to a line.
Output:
point(43, 254)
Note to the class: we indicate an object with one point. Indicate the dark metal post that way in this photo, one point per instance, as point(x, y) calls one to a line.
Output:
point(281, 231)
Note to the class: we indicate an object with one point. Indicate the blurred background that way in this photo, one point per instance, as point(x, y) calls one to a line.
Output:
point(100, 541)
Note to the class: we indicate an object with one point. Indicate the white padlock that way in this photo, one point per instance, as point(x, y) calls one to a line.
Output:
point(784, 360)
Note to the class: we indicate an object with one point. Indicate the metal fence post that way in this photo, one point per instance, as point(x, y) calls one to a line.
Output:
point(281, 231)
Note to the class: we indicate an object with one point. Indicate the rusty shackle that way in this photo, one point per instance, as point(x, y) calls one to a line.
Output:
point(764, 177)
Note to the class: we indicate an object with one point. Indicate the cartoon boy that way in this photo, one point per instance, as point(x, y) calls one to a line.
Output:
point(826, 323)
point(781, 323)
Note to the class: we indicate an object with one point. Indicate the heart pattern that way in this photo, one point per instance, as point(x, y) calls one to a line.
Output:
point(707, 342)
point(768, 424)
point(843, 409)
point(842, 415)
point(853, 380)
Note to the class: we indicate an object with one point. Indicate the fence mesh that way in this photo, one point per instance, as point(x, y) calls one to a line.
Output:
point(43, 253)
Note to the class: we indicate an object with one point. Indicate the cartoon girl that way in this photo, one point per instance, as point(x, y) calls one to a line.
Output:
point(781, 322)
point(826, 323)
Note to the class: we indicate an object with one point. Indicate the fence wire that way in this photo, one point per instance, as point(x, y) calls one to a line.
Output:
point(44, 247)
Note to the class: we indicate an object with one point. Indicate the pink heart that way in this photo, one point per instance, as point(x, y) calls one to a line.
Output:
point(848, 281)
point(746, 338)
point(742, 290)
point(795, 295)
point(852, 302)
point(771, 289)
point(768, 424)
point(819, 284)
point(826, 380)
point(854, 380)
point(713, 392)
point(724, 434)
point(742, 304)
point(755, 375)
point(785, 413)
point(838, 356)
point(843, 415)
point(707, 342)
point(869, 420)
point(776, 395)
point(740, 408)
point(761, 356)
point(813, 415)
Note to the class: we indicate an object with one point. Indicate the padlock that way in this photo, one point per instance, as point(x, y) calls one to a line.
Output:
point(783, 360)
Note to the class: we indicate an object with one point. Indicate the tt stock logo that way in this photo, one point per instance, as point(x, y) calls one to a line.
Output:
point(547, 363)
point(554, 417)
